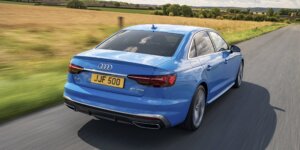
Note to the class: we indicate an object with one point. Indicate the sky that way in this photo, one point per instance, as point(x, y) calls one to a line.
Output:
point(225, 3)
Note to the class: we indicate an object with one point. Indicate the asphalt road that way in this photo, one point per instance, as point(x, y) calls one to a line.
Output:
point(263, 114)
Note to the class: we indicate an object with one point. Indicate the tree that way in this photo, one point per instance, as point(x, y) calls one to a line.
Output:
point(174, 9)
point(202, 14)
point(186, 11)
point(270, 12)
point(157, 12)
point(247, 11)
point(76, 4)
point(117, 4)
point(274, 19)
point(215, 12)
point(283, 12)
point(259, 17)
point(298, 13)
point(158, 8)
point(249, 17)
point(233, 10)
point(165, 9)
point(240, 17)
point(205, 13)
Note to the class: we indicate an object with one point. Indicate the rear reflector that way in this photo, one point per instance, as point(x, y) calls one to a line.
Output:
point(156, 81)
point(74, 69)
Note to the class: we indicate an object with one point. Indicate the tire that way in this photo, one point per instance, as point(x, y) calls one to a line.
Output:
point(196, 110)
point(239, 77)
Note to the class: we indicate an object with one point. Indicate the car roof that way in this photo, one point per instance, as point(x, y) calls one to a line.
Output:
point(179, 29)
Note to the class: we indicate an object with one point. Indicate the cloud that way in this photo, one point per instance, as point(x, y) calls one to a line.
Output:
point(226, 3)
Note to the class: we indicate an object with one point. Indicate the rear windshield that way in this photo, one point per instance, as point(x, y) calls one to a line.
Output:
point(146, 42)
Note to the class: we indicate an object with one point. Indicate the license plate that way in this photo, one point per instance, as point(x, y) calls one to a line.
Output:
point(108, 80)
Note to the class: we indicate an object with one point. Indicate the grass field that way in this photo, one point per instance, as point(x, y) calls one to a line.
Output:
point(37, 42)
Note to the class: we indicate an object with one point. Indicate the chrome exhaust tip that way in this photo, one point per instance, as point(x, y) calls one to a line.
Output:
point(146, 125)
point(71, 106)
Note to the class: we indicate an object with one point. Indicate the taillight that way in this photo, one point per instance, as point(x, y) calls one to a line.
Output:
point(156, 81)
point(74, 69)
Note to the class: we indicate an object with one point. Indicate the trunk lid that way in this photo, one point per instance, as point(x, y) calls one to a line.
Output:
point(117, 64)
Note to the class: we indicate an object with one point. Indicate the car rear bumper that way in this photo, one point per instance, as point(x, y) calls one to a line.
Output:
point(149, 121)
point(170, 112)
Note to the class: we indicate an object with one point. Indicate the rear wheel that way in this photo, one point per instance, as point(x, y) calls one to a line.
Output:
point(196, 111)
point(239, 77)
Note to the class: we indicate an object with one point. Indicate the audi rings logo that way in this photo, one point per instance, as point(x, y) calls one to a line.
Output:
point(106, 67)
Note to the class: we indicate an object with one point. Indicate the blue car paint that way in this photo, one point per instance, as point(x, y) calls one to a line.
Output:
point(171, 102)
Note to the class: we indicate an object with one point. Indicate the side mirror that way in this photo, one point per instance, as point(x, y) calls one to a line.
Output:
point(234, 48)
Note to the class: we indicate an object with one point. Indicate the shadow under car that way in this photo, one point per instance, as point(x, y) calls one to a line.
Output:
point(240, 119)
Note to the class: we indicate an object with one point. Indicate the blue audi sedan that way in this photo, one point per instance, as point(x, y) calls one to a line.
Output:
point(154, 76)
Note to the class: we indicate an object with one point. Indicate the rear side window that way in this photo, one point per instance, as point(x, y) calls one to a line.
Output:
point(193, 50)
point(201, 45)
point(218, 41)
point(146, 42)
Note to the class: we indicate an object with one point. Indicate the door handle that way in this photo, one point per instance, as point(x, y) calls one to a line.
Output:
point(209, 67)
point(226, 60)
